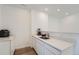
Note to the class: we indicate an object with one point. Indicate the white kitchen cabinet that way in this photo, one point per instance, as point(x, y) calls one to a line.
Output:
point(12, 45)
point(6, 46)
point(43, 48)
point(34, 43)
point(36, 46)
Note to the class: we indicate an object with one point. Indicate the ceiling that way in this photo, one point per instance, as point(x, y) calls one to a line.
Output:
point(64, 9)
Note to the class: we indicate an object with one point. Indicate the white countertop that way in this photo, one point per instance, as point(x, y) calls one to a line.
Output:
point(59, 44)
point(6, 38)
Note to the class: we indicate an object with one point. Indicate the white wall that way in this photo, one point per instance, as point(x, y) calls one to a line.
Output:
point(39, 20)
point(53, 24)
point(17, 20)
point(0, 17)
point(70, 24)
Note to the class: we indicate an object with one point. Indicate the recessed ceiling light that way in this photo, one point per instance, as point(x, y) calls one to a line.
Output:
point(66, 13)
point(46, 9)
point(58, 9)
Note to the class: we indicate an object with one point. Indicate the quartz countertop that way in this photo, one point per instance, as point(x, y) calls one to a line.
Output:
point(57, 43)
point(6, 38)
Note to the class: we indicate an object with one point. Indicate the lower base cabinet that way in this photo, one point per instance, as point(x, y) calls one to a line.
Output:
point(4, 47)
point(44, 49)
point(7, 46)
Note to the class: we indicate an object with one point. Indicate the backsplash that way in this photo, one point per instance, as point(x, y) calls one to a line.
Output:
point(70, 37)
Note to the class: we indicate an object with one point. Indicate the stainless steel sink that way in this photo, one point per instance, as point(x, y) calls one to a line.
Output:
point(44, 38)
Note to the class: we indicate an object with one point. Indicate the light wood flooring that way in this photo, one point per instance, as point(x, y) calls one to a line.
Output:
point(25, 51)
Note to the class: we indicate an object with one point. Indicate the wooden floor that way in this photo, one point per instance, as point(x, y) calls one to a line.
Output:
point(25, 51)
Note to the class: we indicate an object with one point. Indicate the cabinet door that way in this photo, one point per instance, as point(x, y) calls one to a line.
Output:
point(12, 47)
point(4, 47)
point(48, 52)
point(42, 49)
point(51, 49)
point(33, 42)
point(39, 48)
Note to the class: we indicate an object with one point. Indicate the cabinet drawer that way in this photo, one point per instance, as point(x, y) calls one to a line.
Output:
point(50, 48)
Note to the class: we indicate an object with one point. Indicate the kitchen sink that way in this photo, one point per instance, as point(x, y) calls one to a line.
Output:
point(44, 37)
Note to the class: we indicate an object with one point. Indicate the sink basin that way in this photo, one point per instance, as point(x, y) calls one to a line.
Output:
point(44, 37)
